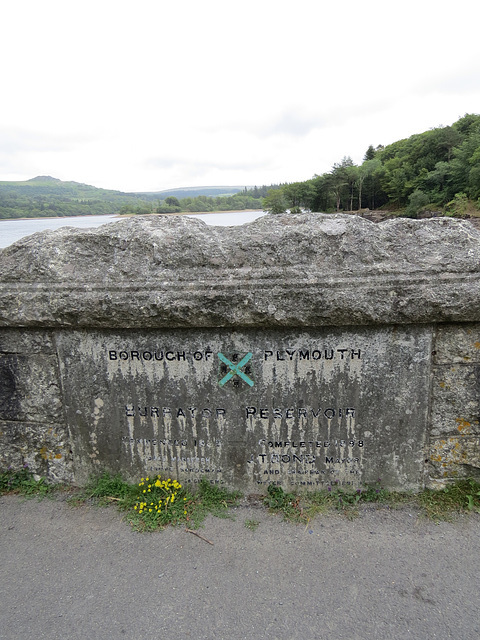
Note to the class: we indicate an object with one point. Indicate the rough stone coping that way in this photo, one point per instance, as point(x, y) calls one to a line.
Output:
point(305, 270)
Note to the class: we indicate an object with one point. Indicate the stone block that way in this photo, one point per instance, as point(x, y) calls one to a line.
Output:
point(454, 457)
point(286, 271)
point(301, 409)
point(455, 403)
point(32, 425)
point(44, 448)
point(457, 344)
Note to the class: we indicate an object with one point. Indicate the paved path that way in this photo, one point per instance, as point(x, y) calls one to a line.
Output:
point(81, 573)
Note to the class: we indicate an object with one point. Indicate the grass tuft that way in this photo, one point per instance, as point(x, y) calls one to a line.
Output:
point(461, 497)
point(444, 504)
point(251, 525)
point(156, 502)
point(286, 503)
point(106, 489)
point(22, 481)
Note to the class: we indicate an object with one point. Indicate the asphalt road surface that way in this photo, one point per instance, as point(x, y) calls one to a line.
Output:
point(81, 573)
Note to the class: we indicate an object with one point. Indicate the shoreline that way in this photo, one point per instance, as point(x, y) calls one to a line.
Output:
point(133, 215)
point(189, 213)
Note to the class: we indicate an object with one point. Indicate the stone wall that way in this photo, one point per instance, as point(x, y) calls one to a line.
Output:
point(454, 431)
point(299, 349)
point(33, 429)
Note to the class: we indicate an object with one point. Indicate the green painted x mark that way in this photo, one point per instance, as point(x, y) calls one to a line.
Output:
point(235, 369)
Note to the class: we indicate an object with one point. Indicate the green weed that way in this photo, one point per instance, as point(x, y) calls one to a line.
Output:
point(286, 503)
point(309, 505)
point(106, 489)
point(210, 499)
point(252, 525)
point(444, 504)
point(23, 482)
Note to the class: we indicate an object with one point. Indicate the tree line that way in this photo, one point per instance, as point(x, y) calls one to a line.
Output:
point(49, 197)
point(198, 204)
point(248, 198)
point(438, 170)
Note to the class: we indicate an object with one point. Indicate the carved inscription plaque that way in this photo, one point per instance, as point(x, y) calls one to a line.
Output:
point(246, 409)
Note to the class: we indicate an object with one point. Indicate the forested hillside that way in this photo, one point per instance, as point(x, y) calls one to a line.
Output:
point(193, 192)
point(45, 196)
point(437, 170)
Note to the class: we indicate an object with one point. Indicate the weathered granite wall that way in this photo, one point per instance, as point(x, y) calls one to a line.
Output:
point(454, 428)
point(33, 429)
point(298, 349)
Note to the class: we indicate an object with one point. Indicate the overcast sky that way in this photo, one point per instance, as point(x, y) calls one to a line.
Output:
point(150, 95)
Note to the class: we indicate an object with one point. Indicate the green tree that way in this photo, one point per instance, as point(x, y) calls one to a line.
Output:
point(342, 178)
point(465, 165)
point(416, 203)
point(435, 182)
point(467, 124)
point(458, 206)
point(299, 194)
point(369, 154)
point(365, 171)
point(275, 201)
point(323, 199)
point(352, 177)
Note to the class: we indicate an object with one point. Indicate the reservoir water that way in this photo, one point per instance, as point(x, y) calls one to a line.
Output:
point(13, 230)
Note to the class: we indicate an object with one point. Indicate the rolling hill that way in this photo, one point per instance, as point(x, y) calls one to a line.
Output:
point(45, 196)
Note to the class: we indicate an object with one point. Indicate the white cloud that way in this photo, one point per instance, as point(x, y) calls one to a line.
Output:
point(155, 95)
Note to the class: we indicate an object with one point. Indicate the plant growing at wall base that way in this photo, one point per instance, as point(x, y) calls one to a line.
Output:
point(443, 504)
point(22, 481)
point(303, 508)
point(159, 503)
point(286, 503)
point(163, 502)
point(106, 489)
point(156, 502)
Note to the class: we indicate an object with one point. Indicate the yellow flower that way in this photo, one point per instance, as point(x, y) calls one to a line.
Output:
point(149, 510)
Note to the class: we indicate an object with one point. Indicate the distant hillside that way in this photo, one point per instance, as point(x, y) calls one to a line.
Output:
point(45, 196)
point(192, 192)
point(46, 185)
